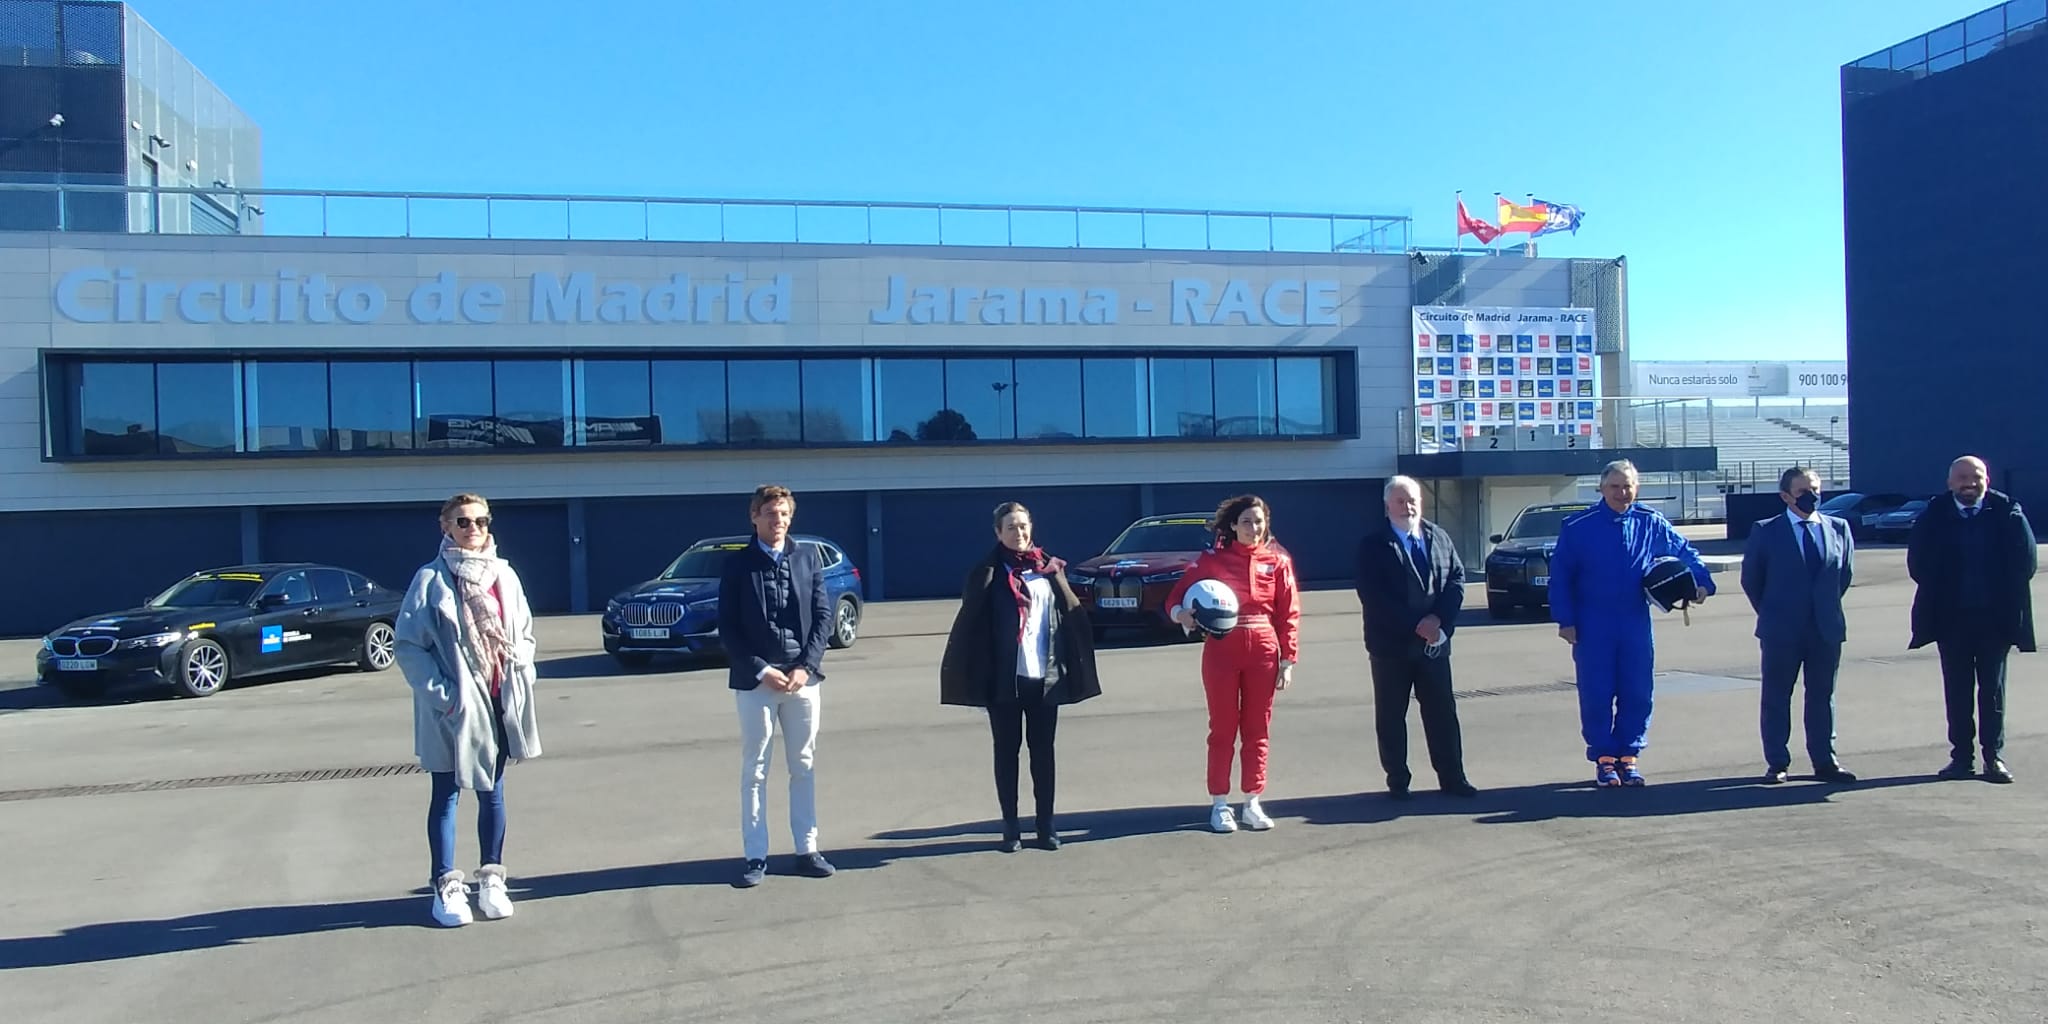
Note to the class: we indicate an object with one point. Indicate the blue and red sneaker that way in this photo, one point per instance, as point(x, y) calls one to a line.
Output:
point(1604, 775)
point(1630, 774)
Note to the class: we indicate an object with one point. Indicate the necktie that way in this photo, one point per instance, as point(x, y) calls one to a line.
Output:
point(1969, 512)
point(1812, 547)
point(1419, 555)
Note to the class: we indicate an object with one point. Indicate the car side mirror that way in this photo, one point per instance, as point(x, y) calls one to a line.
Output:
point(1495, 539)
point(273, 601)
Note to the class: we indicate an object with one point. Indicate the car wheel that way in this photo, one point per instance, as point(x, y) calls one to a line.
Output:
point(633, 659)
point(845, 624)
point(202, 669)
point(380, 647)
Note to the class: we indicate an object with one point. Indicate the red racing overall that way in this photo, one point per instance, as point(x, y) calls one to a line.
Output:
point(1241, 669)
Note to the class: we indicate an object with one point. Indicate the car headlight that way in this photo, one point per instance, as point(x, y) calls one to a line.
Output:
point(152, 640)
point(613, 607)
point(1163, 577)
point(1075, 579)
point(48, 645)
point(708, 604)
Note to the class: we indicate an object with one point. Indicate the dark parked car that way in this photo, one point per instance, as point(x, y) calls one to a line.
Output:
point(1895, 526)
point(214, 627)
point(677, 611)
point(1861, 510)
point(1518, 568)
point(1126, 585)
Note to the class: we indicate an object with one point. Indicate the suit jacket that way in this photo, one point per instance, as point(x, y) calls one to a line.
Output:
point(749, 638)
point(1788, 597)
point(1934, 557)
point(981, 650)
point(1394, 598)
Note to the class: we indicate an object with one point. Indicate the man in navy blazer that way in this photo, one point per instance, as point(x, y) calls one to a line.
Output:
point(1795, 570)
point(773, 620)
point(1411, 586)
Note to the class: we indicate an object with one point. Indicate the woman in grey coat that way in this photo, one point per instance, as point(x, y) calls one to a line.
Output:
point(465, 646)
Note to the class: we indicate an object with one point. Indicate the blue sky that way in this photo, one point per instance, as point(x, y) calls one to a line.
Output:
point(1702, 140)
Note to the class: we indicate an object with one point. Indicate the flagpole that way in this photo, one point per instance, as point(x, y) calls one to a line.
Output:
point(1529, 243)
point(1458, 226)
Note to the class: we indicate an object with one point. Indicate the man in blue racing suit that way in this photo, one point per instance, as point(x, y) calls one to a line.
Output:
point(1597, 599)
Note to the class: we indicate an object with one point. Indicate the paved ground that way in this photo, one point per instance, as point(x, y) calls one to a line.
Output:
point(1702, 898)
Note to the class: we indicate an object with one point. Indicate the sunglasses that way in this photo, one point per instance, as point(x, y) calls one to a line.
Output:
point(480, 522)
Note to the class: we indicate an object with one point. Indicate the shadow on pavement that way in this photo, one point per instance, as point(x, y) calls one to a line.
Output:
point(123, 940)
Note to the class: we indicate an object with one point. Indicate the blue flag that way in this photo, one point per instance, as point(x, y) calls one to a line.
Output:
point(1558, 217)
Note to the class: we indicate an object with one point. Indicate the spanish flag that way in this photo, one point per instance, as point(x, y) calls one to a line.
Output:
point(1526, 219)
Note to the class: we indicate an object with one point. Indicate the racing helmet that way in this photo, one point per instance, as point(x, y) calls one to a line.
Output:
point(1213, 605)
point(1669, 584)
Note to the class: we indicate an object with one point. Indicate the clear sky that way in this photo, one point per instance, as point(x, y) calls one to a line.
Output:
point(1703, 140)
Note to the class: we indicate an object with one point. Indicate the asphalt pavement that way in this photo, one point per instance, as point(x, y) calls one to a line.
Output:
point(259, 855)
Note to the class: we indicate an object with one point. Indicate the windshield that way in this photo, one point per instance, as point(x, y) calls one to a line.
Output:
point(1541, 522)
point(1841, 501)
point(1914, 506)
point(1173, 535)
point(701, 563)
point(209, 591)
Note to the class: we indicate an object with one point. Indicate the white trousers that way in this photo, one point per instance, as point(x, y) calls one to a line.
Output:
point(763, 713)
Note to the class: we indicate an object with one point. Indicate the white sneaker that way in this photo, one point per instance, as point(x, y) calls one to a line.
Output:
point(451, 901)
point(1221, 820)
point(1254, 816)
point(491, 896)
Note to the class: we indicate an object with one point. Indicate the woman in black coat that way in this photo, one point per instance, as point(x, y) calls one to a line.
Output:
point(1021, 647)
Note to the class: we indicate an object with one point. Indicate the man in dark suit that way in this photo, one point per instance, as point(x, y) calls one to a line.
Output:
point(1795, 570)
point(1972, 554)
point(1411, 586)
point(773, 620)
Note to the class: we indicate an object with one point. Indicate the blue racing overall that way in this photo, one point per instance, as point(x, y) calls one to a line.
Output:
point(1596, 586)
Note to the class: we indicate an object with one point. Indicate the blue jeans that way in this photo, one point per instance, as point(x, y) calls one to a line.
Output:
point(490, 813)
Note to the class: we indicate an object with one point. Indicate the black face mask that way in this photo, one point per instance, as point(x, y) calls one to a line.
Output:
point(1807, 502)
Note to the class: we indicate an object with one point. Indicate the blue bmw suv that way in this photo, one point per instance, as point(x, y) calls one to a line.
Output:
point(677, 611)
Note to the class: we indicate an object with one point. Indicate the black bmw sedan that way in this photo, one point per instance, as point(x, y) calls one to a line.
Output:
point(221, 625)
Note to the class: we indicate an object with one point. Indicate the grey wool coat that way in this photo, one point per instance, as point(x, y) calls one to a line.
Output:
point(451, 705)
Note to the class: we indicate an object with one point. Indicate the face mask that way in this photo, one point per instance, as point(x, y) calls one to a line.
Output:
point(1807, 502)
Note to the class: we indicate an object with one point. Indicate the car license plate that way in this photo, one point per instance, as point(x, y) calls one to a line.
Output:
point(1541, 581)
point(1117, 602)
point(650, 633)
point(78, 665)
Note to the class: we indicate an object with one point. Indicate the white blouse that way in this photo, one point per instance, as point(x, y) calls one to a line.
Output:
point(1034, 647)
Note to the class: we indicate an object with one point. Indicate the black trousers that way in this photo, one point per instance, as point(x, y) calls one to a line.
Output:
point(1428, 680)
point(1973, 679)
point(1014, 720)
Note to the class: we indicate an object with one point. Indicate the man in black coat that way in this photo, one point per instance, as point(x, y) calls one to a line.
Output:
point(1411, 586)
point(773, 620)
point(1972, 554)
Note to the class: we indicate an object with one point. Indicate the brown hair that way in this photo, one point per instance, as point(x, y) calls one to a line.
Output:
point(1004, 510)
point(1225, 525)
point(465, 498)
point(769, 494)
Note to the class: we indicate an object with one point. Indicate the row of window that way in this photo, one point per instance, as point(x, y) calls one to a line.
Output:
point(103, 406)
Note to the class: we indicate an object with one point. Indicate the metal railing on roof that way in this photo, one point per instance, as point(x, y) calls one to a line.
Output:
point(337, 213)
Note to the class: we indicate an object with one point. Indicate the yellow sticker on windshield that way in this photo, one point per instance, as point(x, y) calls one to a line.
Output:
point(1183, 522)
point(723, 547)
point(238, 576)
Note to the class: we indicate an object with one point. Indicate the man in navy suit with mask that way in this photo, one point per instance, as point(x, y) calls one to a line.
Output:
point(1795, 570)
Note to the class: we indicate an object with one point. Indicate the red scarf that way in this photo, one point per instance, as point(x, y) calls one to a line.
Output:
point(1020, 562)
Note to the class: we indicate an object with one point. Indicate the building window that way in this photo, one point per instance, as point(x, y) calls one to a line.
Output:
point(909, 393)
point(1046, 398)
point(157, 404)
point(113, 408)
point(836, 401)
point(1246, 398)
point(615, 404)
point(196, 406)
point(1183, 398)
point(689, 401)
point(1115, 399)
point(287, 407)
point(373, 406)
point(530, 402)
point(764, 401)
point(1308, 396)
point(452, 403)
point(978, 394)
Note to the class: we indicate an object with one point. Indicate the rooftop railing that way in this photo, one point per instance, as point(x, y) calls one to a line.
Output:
point(331, 213)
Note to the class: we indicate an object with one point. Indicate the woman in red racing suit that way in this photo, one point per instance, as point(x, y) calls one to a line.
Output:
point(1242, 669)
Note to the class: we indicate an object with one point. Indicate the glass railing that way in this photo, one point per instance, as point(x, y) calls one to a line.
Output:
point(358, 214)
